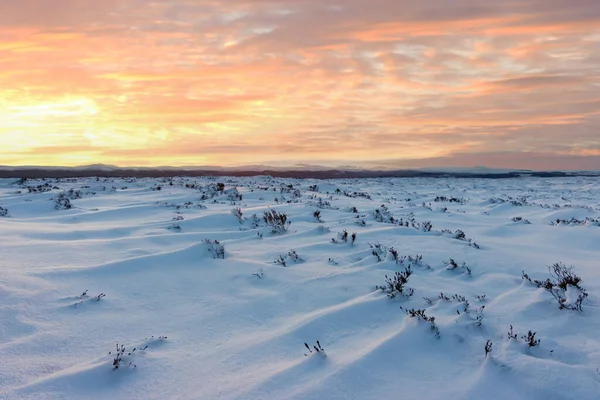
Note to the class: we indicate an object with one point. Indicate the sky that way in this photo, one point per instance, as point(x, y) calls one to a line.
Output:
point(380, 83)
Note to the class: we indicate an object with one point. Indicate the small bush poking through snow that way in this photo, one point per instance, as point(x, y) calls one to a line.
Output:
point(317, 216)
point(396, 284)
point(421, 316)
point(452, 265)
point(216, 248)
point(563, 285)
point(119, 354)
point(378, 250)
point(294, 256)
point(488, 347)
point(344, 237)
point(3, 212)
point(62, 202)
point(511, 334)
point(281, 261)
point(260, 274)
point(237, 212)
point(278, 221)
point(383, 215)
point(394, 253)
point(174, 227)
point(460, 235)
point(291, 255)
point(84, 295)
point(233, 195)
point(531, 340)
point(426, 226)
point(317, 347)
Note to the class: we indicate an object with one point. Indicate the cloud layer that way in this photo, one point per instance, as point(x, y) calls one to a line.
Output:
point(191, 82)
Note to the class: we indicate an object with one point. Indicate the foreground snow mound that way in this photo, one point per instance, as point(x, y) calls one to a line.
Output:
point(270, 288)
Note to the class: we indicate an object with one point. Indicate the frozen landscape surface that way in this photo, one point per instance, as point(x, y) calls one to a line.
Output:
point(148, 253)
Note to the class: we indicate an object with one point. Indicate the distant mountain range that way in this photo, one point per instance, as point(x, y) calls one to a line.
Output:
point(297, 171)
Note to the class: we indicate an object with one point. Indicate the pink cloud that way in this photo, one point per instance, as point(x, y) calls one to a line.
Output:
point(383, 79)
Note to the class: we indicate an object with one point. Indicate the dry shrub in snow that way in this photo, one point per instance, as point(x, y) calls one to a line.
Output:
point(395, 285)
point(563, 285)
point(216, 248)
point(278, 221)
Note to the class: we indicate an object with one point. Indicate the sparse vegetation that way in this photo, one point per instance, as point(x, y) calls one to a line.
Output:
point(322, 290)
point(278, 221)
point(576, 222)
point(62, 202)
point(122, 356)
point(174, 227)
point(452, 265)
point(395, 285)
point(317, 216)
point(216, 248)
point(421, 316)
point(119, 355)
point(488, 347)
point(290, 256)
point(562, 281)
point(317, 347)
point(378, 250)
point(260, 274)
point(343, 237)
point(530, 339)
point(237, 212)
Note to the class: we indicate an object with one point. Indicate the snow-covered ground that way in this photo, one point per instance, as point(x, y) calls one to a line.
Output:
point(236, 327)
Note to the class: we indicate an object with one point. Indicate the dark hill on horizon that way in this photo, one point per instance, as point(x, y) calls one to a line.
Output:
point(34, 172)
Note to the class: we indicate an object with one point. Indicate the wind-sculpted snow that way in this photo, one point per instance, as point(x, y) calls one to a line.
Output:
point(220, 288)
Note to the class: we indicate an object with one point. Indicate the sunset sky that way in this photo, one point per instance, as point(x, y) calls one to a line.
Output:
point(385, 83)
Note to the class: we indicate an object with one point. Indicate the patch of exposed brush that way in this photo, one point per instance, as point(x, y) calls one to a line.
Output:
point(422, 316)
point(530, 338)
point(291, 256)
point(576, 222)
point(460, 235)
point(452, 265)
point(216, 248)
point(378, 250)
point(444, 199)
point(396, 284)
point(237, 212)
point(276, 220)
point(123, 357)
point(344, 237)
point(564, 286)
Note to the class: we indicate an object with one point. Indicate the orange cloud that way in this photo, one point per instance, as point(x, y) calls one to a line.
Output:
point(184, 81)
